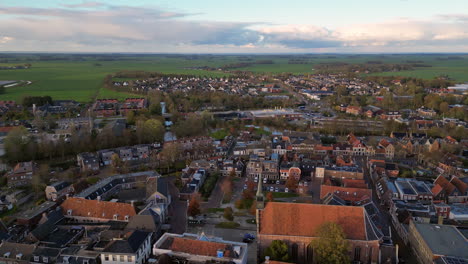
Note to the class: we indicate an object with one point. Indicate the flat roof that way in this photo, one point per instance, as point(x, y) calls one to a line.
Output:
point(33, 212)
point(443, 240)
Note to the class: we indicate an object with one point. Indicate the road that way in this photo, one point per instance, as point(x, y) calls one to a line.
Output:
point(216, 196)
point(177, 211)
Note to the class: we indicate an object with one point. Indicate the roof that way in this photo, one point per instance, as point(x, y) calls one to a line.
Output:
point(130, 245)
point(197, 247)
point(16, 248)
point(347, 194)
point(445, 184)
point(294, 219)
point(60, 185)
point(461, 186)
point(443, 239)
point(38, 210)
point(98, 209)
point(354, 183)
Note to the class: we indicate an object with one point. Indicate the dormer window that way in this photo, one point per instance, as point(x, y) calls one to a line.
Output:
point(69, 212)
point(6, 255)
point(126, 218)
point(45, 259)
point(115, 217)
point(36, 258)
point(19, 256)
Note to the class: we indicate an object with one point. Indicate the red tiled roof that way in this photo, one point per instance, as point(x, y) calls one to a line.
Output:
point(296, 219)
point(384, 143)
point(197, 247)
point(6, 129)
point(436, 189)
point(347, 194)
point(97, 209)
point(444, 184)
point(320, 147)
point(354, 183)
point(461, 186)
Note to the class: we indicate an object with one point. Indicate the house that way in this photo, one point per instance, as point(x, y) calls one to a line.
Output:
point(16, 253)
point(88, 162)
point(58, 190)
point(453, 191)
point(32, 216)
point(83, 210)
point(339, 173)
point(200, 249)
point(105, 156)
point(391, 115)
point(230, 166)
point(44, 255)
point(296, 224)
point(354, 110)
point(134, 248)
point(78, 255)
point(426, 112)
point(351, 195)
point(21, 175)
point(105, 107)
point(431, 242)
point(133, 104)
point(388, 147)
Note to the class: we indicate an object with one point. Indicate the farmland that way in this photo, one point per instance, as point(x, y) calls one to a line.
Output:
point(80, 77)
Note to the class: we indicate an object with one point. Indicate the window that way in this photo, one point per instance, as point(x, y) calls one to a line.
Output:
point(122, 258)
point(114, 258)
point(115, 217)
point(357, 254)
point(126, 218)
point(106, 257)
point(36, 258)
point(45, 259)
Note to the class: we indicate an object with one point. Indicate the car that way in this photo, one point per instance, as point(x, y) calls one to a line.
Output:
point(278, 182)
point(264, 180)
point(306, 183)
point(286, 190)
point(245, 186)
point(248, 238)
point(276, 189)
point(272, 189)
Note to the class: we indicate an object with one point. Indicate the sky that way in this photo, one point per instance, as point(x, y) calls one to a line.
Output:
point(240, 26)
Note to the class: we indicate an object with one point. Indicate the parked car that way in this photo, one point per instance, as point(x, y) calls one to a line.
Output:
point(272, 189)
point(248, 238)
point(276, 189)
point(277, 182)
point(245, 186)
point(264, 180)
point(286, 190)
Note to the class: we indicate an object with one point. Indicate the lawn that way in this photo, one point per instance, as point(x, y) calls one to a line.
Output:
point(80, 77)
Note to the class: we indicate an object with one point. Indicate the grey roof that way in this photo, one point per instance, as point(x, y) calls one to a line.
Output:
point(163, 186)
point(38, 210)
point(443, 240)
point(42, 231)
point(60, 185)
point(46, 252)
point(131, 245)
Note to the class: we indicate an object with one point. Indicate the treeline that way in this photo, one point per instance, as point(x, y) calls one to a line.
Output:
point(371, 67)
point(28, 101)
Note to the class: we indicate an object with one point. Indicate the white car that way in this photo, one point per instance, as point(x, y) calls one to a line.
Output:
point(264, 180)
point(277, 182)
point(286, 190)
point(276, 189)
point(272, 189)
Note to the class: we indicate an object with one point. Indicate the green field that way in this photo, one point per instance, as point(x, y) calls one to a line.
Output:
point(80, 77)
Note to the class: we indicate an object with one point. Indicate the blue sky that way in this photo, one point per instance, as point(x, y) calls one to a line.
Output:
point(234, 26)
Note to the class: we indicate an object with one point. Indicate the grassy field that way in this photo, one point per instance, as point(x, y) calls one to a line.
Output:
point(82, 80)
point(80, 77)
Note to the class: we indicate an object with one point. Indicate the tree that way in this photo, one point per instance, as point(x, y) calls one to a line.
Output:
point(194, 206)
point(444, 107)
point(331, 246)
point(228, 214)
point(278, 250)
point(116, 161)
point(269, 197)
point(226, 187)
point(291, 183)
point(150, 131)
point(16, 143)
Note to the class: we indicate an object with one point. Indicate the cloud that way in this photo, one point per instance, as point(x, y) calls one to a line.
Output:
point(94, 26)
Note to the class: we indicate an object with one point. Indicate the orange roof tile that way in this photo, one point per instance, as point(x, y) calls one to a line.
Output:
point(444, 184)
point(354, 183)
point(347, 194)
point(197, 247)
point(461, 186)
point(97, 209)
point(296, 219)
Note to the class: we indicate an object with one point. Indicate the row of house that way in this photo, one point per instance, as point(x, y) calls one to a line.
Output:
point(112, 107)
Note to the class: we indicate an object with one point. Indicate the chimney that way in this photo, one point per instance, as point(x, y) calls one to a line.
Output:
point(267, 259)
